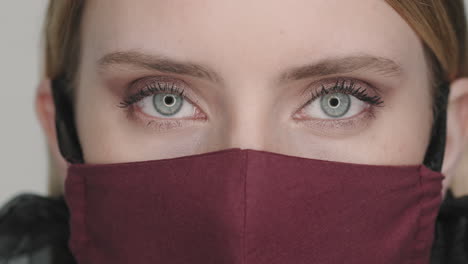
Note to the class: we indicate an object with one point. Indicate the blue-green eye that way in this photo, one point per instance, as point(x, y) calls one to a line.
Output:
point(342, 100)
point(163, 100)
point(167, 104)
point(335, 105)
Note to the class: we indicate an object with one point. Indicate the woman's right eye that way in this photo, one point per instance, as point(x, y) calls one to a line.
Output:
point(166, 105)
point(161, 99)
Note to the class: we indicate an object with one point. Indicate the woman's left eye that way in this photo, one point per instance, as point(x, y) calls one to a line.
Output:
point(335, 105)
point(338, 102)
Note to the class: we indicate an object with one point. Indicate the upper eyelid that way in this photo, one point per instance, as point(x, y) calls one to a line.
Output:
point(332, 82)
point(147, 81)
point(143, 85)
point(357, 80)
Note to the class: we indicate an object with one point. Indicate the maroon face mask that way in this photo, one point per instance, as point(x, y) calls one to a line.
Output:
point(244, 206)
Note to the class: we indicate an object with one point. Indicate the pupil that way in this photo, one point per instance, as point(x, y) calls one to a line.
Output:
point(169, 100)
point(334, 102)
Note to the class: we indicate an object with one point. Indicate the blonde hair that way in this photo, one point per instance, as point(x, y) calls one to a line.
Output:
point(440, 24)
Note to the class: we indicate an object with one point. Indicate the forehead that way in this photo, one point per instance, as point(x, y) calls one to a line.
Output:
point(260, 33)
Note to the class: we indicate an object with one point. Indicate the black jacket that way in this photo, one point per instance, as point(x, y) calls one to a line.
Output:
point(34, 230)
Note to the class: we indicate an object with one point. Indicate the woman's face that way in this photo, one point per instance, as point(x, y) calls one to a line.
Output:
point(252, 74)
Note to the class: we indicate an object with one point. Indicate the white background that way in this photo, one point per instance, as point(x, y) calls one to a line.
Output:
point(23, 158)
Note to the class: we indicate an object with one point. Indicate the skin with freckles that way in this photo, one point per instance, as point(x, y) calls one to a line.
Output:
point(341, 80)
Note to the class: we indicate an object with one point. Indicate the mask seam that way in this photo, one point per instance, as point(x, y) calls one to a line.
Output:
point(421, 194)
point(86, 240)
point(244, 255)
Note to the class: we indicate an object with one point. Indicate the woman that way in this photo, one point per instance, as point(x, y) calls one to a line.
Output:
point(321, 111)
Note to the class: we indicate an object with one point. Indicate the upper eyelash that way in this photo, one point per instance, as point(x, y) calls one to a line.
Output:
point(348, 89)
point(152, 89)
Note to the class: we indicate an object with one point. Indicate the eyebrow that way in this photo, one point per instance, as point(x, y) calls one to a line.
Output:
point(327, 66)
point(342, 65)
point(159, 63)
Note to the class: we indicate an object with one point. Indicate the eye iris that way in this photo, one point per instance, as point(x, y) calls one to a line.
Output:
point(167, 104)
point(335, 104)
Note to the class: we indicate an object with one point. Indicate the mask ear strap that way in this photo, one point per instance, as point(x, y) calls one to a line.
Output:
point(67, 137)
point(435, 152)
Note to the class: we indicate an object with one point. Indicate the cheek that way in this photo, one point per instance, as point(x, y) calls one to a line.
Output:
point(407, 131)
point(95, 112)
point(87, 110)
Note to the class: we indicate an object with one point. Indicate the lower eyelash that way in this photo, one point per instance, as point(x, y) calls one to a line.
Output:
point(333, 127)
point(164, 125)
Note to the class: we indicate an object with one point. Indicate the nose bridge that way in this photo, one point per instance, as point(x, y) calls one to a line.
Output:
point(248, 118)
point(247, 133)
